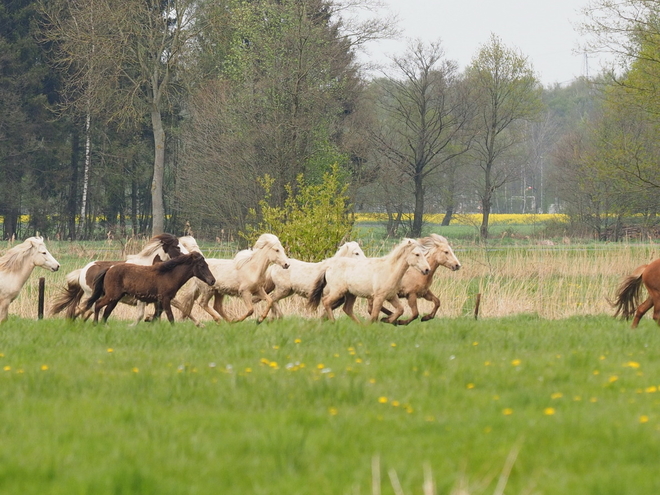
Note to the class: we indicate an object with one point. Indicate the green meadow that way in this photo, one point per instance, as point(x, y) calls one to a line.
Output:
point(303, 406)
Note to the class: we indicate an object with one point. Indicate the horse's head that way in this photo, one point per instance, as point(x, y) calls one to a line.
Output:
point(274, 249)
point(189, 243)
point(416, 256)
point(42, 256)
point(172, 246)
point(441, 252)
point(201, 268)
point(350, 249)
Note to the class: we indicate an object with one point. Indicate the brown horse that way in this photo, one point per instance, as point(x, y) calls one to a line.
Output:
point(80, 282)
point(149, 284)
point(628, 293)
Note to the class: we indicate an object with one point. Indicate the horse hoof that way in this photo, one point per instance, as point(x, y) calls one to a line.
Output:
point(427, 318)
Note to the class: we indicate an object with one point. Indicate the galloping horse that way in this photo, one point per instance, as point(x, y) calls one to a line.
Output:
point(377, 279)
point(628, 293)
point(300, 277)
point(17, 265)
point(415, 284)
point(244, 276)
point(157, 283)
point(80, 282)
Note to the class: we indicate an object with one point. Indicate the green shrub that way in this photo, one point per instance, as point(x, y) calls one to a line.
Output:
point(313, 221)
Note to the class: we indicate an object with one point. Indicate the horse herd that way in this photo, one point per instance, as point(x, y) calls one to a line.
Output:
point(172, 271)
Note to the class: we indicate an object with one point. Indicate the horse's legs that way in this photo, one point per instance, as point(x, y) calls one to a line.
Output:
point(141, 306)
point(348, 306)
point(186, 311)
point(247, 299)
point(327, 304)
point(166, 306)
point(412, 302)
point(430, 296)
point(205, 298)
point(4, 310)
point(641, 311)
point(269, 303)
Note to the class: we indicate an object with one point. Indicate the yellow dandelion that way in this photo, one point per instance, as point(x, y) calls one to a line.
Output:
point(507, 411)
point(297, 341)
point(396, 403)
point(273, 365)
point(496, 397)
point(358, 360)
point(470, 386)
point(596, 372)
point(135, 370)
point(372, 380)
point(429, 418)
point(516, 362)
point(409, 409)
point(613, 378)
point(382, 400)
point(264, 361)
point(110, 349)
point(577, 398)
point(631, 364)
point(643, 419)
point(7, 368)
point(335, 355)
point(333, 411)
point(320, 366)
point(487, 363)
point(393, 344)
point(652, 389)
point(276, 347)
point(488, 429)
point(248, 370)
point(475, 343)
point(593, 400)
point(1, 355)
point(602, 358)
point(44, 367)
point(549, 411)
point(556, 395)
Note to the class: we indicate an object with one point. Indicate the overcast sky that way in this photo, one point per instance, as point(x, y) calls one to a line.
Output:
point(543, 30)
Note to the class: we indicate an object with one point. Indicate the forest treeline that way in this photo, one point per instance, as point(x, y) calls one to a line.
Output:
point(142, 116)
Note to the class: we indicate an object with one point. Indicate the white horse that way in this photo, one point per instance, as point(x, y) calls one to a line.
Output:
point(300, 277)
point(414, 284)
point(377, 279)
point(17, 265)
point(243, 276)
point(80, 282)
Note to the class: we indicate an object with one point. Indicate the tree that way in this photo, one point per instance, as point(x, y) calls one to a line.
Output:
point(507, 92)
point(425, 116)
point(121, 61)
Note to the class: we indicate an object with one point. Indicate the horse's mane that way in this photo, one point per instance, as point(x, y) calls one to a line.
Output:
point(190, 243)
point(402, 248)
point(169, 265)
point(243, 257)
point(154, 244)
point(432, 241)
point(14, 258)
point(266, 240)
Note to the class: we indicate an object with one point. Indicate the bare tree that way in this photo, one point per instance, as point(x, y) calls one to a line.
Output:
point(425, 116)
point(507, 92)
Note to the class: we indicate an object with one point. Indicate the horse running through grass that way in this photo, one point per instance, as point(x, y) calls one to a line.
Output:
point(377, 279)
point(629, 292)
point(16, 266)
point(300, 277)
point(415, 284)
point(157, 283)
point(243, 276)
point(80, 282)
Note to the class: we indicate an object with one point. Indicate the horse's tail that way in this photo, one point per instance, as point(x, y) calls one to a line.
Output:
point(317, 292)
point(70, 297)
point(627, 295)
point(98, 289)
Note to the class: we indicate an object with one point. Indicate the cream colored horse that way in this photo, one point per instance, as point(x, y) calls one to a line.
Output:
point(243, 276)
point(377, 279)
point(414, 284)
point(17, 265)
point(300, 277)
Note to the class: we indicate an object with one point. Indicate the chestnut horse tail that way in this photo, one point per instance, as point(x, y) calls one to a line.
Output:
point(317, 293)
point(627, 296)
point(98, 289)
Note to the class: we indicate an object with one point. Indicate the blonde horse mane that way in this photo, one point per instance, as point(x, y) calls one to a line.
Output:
point(432, 241)
point(15, 257)
point(264, 241)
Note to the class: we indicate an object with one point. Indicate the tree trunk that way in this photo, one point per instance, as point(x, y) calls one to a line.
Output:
point(448, 214)
point(157, 205)
point(72, 207)
point(418, 214)
point(486, 205)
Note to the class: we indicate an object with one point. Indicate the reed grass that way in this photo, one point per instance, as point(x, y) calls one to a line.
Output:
point(551, 282)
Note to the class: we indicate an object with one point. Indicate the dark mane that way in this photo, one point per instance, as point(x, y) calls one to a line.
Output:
point(169, 265)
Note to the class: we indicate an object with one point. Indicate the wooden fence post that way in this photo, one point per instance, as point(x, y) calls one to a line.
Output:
point(476, 306)
point(42, 286)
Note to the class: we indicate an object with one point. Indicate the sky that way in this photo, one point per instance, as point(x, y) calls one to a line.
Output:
point(543, 30)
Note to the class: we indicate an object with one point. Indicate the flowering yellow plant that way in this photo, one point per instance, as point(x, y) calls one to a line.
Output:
point(473, 218)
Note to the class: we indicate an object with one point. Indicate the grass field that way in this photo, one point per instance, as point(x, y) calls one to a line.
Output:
point(545, 393)
point(305, 407)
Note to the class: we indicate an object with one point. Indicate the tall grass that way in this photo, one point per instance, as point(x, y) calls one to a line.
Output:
point(549, 281)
